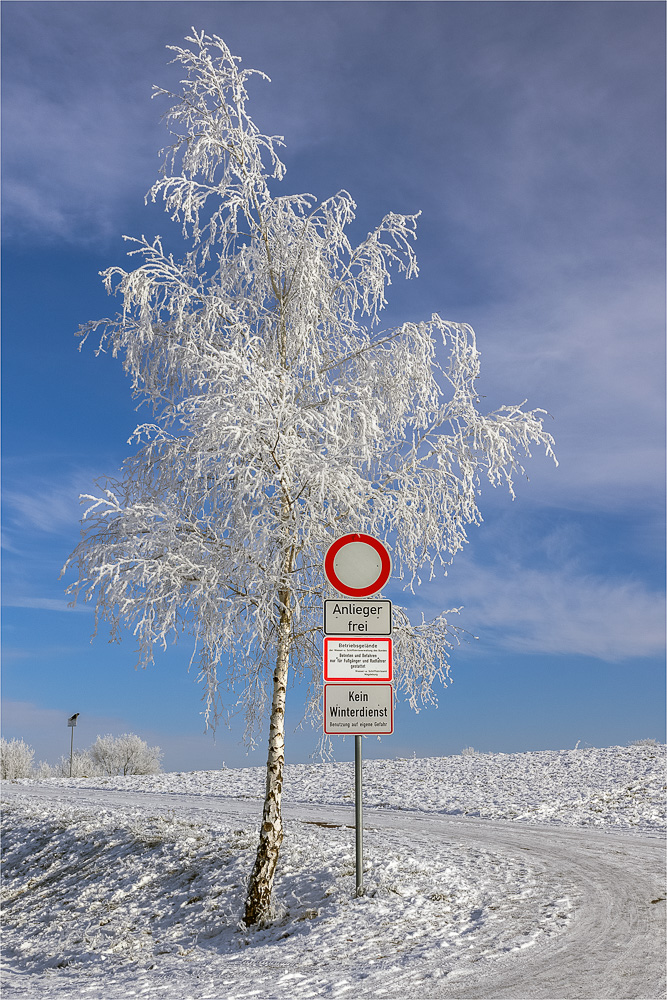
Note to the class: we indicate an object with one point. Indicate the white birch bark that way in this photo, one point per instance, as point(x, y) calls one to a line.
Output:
point(260, 886)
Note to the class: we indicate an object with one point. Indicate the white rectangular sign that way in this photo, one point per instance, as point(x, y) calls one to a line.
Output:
point(349, 617)
point(358, 709)
point(357, 659)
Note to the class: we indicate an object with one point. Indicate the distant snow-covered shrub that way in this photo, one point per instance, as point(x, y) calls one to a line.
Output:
point(83, 766)
point(44, 770)
point(646, 743)
point(16, 759)
point(469, 752)
point(126, 754)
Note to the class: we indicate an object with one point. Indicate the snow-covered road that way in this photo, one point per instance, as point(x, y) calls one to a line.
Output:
point(610, 944)
point(614, 947)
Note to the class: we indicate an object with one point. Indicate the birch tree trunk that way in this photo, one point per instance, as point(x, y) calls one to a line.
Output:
point(258, 901)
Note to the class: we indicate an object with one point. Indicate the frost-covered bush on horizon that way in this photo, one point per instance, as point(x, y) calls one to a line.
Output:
point(16, 759)
point(127, 754)
point(83, 766)
point(123, 755)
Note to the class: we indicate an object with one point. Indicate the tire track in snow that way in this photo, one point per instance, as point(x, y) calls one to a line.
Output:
point(615, 947)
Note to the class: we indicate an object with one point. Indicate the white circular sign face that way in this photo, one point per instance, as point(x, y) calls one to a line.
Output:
point(357, 565)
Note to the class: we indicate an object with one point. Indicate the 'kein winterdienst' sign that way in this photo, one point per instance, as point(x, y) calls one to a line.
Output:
point(358, 709)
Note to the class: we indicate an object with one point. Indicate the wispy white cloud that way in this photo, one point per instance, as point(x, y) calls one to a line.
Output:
point(42, 604)
point(42, 496)
point(591, 352)
point(554, 194)
point(71, 162)
point(41, 527)
point(560, 610)
point(49, 507)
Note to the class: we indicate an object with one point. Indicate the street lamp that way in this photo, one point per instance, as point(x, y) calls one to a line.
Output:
point(71, 722)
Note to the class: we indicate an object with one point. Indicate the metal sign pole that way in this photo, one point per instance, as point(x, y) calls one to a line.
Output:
point(358, 816)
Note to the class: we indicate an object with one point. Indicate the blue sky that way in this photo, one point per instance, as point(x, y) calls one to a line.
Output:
point(531, 137)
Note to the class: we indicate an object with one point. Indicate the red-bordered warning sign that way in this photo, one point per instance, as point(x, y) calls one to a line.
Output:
point(357, 659)
point(357, 565)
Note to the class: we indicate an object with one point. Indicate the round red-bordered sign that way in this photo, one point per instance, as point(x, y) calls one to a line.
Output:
point(357, 565)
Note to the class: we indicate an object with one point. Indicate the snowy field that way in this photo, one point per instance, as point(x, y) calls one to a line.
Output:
point(486, 875)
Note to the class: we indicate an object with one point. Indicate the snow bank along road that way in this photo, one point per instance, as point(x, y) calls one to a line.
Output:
point(581, 913)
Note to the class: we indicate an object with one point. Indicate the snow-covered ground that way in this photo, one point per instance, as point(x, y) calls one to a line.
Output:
point(619, 787)
point(487, 875)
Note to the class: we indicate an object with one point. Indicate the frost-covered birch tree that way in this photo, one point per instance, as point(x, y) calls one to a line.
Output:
point(283, 416)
